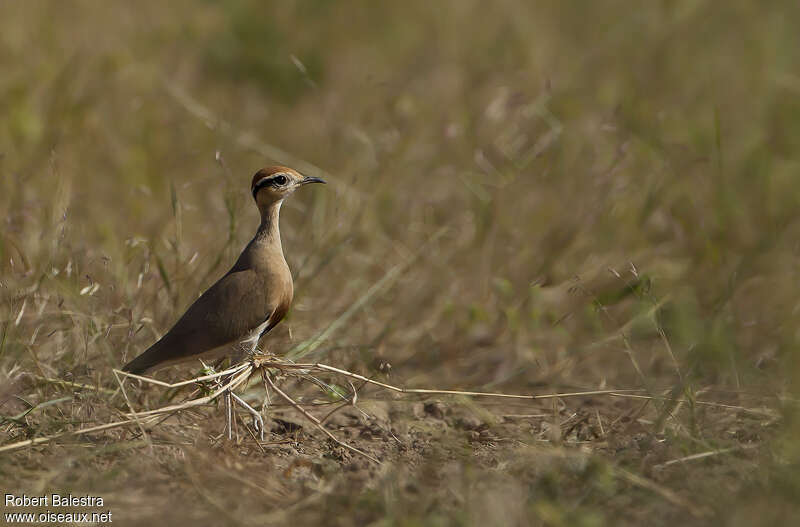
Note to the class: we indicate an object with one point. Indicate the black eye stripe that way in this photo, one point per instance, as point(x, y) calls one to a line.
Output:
point(261, 184)
point(277, 180)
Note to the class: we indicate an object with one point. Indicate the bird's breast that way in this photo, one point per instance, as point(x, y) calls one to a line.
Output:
point(277, 295)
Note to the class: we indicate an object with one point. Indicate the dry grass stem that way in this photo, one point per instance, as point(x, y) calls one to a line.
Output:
point(234, 369)
point(703, 455)
point(70, 384)
point(666, 493)
point(235, 381)
point(46, 439)
point(766, 413)
point(425, 391)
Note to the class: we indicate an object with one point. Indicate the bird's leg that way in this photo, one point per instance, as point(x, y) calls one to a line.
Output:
point(228, 414)
point(226, 395)
point(258, 421)
point(230, 397)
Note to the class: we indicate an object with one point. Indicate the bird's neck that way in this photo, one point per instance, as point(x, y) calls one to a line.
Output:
point(264, 251)
point(269, 230)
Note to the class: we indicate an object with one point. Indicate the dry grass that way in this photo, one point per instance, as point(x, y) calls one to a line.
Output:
point(528, 198)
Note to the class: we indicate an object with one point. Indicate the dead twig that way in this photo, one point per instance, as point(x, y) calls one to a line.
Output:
point(314, 420)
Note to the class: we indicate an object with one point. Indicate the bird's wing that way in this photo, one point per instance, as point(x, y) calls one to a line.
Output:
point(225, 313)
point(229, 309)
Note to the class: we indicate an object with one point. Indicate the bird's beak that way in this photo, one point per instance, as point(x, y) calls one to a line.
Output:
point(307, 180)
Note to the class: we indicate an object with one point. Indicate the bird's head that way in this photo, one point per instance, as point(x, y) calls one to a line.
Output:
point(272, 184)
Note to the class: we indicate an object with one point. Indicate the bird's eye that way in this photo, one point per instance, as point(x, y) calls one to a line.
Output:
point(280, 180)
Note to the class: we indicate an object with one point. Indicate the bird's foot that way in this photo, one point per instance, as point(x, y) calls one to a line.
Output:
point(258, 420)
point(260, 357)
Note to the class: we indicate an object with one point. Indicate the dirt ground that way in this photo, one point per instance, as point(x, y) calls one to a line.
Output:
point(443, 459)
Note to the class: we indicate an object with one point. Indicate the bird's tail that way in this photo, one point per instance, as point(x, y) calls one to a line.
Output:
point(141, 364)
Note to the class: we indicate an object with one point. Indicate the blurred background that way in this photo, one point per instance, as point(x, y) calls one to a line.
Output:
point(528, 197)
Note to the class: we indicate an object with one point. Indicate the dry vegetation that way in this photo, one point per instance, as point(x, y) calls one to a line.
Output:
point(526, 197)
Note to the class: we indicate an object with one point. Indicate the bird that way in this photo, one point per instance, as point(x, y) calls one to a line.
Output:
point(231, 316)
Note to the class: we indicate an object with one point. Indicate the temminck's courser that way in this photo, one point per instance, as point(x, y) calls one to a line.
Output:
point(234, 313)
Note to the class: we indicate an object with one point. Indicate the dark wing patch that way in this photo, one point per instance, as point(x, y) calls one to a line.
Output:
point(277, 316)
point(227, 311)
